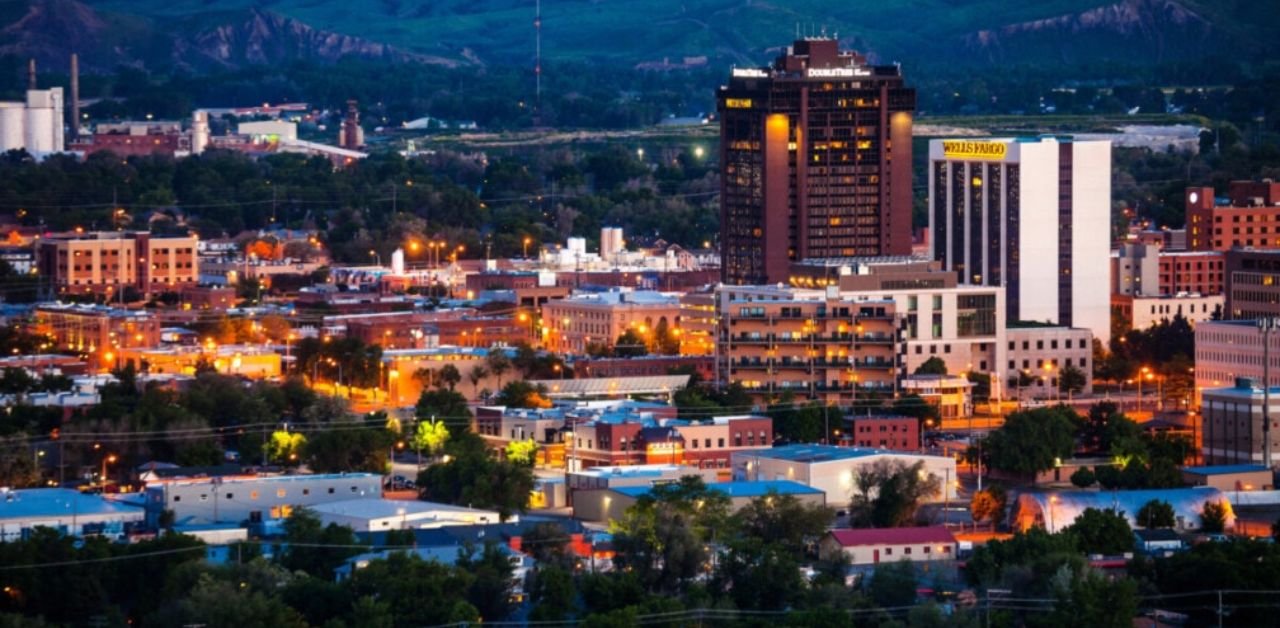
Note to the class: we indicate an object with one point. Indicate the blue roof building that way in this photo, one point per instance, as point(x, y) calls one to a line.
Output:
point(65, 510)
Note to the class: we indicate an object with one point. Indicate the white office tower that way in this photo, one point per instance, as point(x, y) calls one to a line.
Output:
point(1032, 215)
point(611, 243)
point(44, 130)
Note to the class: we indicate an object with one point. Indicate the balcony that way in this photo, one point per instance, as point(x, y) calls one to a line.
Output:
point(883, 339)
point(762, 339)
point(749, 364)
point(874, 364)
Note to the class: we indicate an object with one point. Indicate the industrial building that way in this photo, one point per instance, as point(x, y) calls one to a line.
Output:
point(1055, 510)
point(611, 504)
point(815, 154)
point(253, 499)
point(834, 470)
point(872, 546)
point(67, 511)
point(1032, 215)
point(376, 515)
point(34, 125)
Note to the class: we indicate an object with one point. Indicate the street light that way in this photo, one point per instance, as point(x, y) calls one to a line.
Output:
point(374, 255)
point(527, 242)
point(108, 459)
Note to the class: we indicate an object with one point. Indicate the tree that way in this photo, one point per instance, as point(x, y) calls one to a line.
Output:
point(286, 447)
point(419, 592)
point(933, 366)
point(449, 376)
point(784, 521)
point(430, 436)
point(915, 406)
point(553, 594)
point(498, 363)
point(315, 548)
point(475, 376)
point(522, 394)
point(445, 406)
point(490, 590)
point(1031, 441)
point(893, 585)
point(1101, 532)
point(758, 574)
point(523, 452)
point(1213, 518)
point(1091, 599)
point(630, 345)
point(1083, 478)
point(472, 477)
point(346, 451)
point(664, 537)
point(1071, 380)
point(887, 493)
point(1156, 514)
point(988, 504)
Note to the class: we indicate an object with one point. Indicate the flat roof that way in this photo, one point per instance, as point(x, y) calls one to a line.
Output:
point(738, 489)
point(613, 385)
point(383, 508)
point(892, 536)
point(827, 453)
point(57, 502)
point(635, 471)
point(317, 477)
point(1222, 469)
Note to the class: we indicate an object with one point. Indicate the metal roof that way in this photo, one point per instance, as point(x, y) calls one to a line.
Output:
point(612, 385)
point(738, 489)
point(57, 502)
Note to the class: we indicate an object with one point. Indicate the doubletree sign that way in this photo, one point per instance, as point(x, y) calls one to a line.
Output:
point(994, 151)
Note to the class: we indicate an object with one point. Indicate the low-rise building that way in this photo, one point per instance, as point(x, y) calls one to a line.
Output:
point(583, 320)
point(96, 332)
point(872, 546)
point(1140, 312)
point(1037, 354)
point(1253, 283)
point(834, 470)
point(595, 478)
point(1233, 419)
point(1230, 477)
point(611, 504)
point(951, 394)
point(109, 262)
point(1228, 350)
point(67, 511)
point(253, 499)
point(252, 361)
point(899, 433)
point(375, 515)
point(1251, 216)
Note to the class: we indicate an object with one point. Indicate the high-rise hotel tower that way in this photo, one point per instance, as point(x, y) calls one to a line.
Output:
point(1032, 215)
point(815, 152)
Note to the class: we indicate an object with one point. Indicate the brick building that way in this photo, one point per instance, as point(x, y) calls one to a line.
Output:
point(109, 262)
point(1251, 217)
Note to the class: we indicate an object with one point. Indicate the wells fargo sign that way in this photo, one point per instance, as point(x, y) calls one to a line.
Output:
point(974, 150)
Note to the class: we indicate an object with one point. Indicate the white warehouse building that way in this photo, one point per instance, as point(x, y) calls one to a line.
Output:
point(833, 470)
point(1032, 215)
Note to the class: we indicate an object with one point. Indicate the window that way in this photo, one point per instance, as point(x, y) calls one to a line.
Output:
point(888, 551)
point(306, 491)
point(280, 492)
point(927, 549)
point(231, 495)
point(355, 489)
point(177, 498)
point(253, 494)
point(906, 550)
point(720, 443)
point(330, 490)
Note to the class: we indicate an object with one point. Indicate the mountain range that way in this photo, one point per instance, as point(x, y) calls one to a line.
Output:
point(940, 35)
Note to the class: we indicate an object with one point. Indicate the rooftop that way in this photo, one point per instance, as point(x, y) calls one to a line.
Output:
point(1224, 469)
point(383, 508)
point(893, 536)
point(826, 453)
point(739, 489)
point(634, 471)
point(53, 502)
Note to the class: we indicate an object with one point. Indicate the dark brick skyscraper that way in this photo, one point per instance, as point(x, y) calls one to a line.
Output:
point(815, 152)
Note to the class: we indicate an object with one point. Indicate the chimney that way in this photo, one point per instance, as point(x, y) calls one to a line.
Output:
point(75, 96)
point(31, 73)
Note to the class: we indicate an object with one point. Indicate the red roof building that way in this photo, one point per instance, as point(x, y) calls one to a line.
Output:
point(871, 546)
